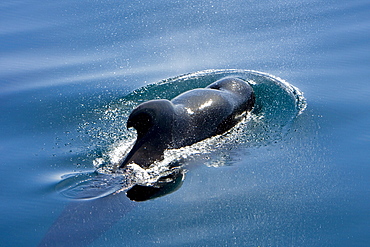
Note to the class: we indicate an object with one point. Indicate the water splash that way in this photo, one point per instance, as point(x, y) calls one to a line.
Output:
point(277, 104)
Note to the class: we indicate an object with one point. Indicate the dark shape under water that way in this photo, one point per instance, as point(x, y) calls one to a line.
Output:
point(165, 185)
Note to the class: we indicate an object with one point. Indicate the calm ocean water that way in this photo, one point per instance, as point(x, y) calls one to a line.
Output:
point(64, 65)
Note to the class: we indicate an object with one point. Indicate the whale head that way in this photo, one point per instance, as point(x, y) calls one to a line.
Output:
point(153, 121)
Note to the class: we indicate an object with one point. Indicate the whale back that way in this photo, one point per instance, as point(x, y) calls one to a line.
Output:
point(206, 112)
point(242, 91)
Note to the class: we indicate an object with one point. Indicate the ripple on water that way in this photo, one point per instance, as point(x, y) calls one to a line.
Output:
point(277, 104)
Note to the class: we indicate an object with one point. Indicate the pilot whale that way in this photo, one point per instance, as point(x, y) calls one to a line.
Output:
point(191, 117)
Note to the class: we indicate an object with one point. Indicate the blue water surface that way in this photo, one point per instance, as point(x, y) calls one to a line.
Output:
point(64, 65)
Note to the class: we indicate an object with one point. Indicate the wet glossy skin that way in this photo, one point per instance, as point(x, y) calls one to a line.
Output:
point(188, 118)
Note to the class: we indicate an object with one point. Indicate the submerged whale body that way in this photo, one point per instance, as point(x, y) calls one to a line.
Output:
point(188, 118)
